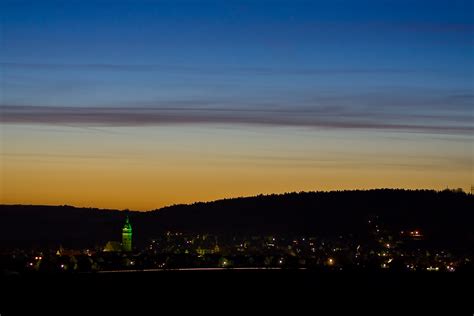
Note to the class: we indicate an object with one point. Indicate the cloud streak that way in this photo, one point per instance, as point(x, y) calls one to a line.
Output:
point(322, 118)
point(214, 69)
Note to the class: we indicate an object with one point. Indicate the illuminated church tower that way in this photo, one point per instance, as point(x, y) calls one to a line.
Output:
point(127, 236)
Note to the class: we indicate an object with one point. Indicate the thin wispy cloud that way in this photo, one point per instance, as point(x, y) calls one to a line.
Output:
point(387, 26)
point(214, 69)
point(324, 117)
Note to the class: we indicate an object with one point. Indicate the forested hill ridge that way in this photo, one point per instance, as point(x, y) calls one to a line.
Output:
point(444, 216)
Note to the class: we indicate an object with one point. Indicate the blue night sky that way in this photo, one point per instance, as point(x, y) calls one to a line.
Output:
point(238, 53)
point(381, 67)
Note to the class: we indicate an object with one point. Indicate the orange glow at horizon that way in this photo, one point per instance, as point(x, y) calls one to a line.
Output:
point(144, 168)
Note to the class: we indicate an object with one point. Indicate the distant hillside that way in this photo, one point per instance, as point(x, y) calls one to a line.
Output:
point(447, 217)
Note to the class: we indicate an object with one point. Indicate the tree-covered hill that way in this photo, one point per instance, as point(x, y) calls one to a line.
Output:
point(446, 216)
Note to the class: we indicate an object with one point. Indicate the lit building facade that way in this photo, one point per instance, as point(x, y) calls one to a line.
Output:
point(127, 236)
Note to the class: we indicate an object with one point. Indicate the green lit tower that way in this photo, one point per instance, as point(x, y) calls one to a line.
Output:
point(127, 236)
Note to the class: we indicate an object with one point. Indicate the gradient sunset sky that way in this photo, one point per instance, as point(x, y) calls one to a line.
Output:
point(141, 104)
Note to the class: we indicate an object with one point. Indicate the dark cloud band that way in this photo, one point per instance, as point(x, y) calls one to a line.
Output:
point(147, 116)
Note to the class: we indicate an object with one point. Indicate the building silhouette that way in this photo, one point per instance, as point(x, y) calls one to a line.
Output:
point(113, 246)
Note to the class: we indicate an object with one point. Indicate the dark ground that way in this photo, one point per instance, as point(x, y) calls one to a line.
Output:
point(308, 292)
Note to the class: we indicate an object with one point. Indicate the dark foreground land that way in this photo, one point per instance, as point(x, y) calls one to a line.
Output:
point(265, 290)
point(44, 250)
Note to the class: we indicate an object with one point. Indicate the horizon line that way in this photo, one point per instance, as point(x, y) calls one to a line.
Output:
point(240, 197)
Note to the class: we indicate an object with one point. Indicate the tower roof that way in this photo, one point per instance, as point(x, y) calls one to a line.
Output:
point(127, 225)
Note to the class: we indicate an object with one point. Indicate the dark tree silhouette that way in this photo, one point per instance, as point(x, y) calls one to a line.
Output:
point(446, 217)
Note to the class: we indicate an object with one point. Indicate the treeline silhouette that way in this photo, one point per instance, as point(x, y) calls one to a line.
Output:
point(446, 217)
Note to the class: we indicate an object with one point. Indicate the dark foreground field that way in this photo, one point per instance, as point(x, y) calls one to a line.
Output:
point(267, 289)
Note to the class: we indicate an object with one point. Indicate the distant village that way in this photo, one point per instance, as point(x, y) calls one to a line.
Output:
point(385, 251)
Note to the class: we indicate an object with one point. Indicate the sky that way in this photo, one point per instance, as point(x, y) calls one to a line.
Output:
point(142, 104)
